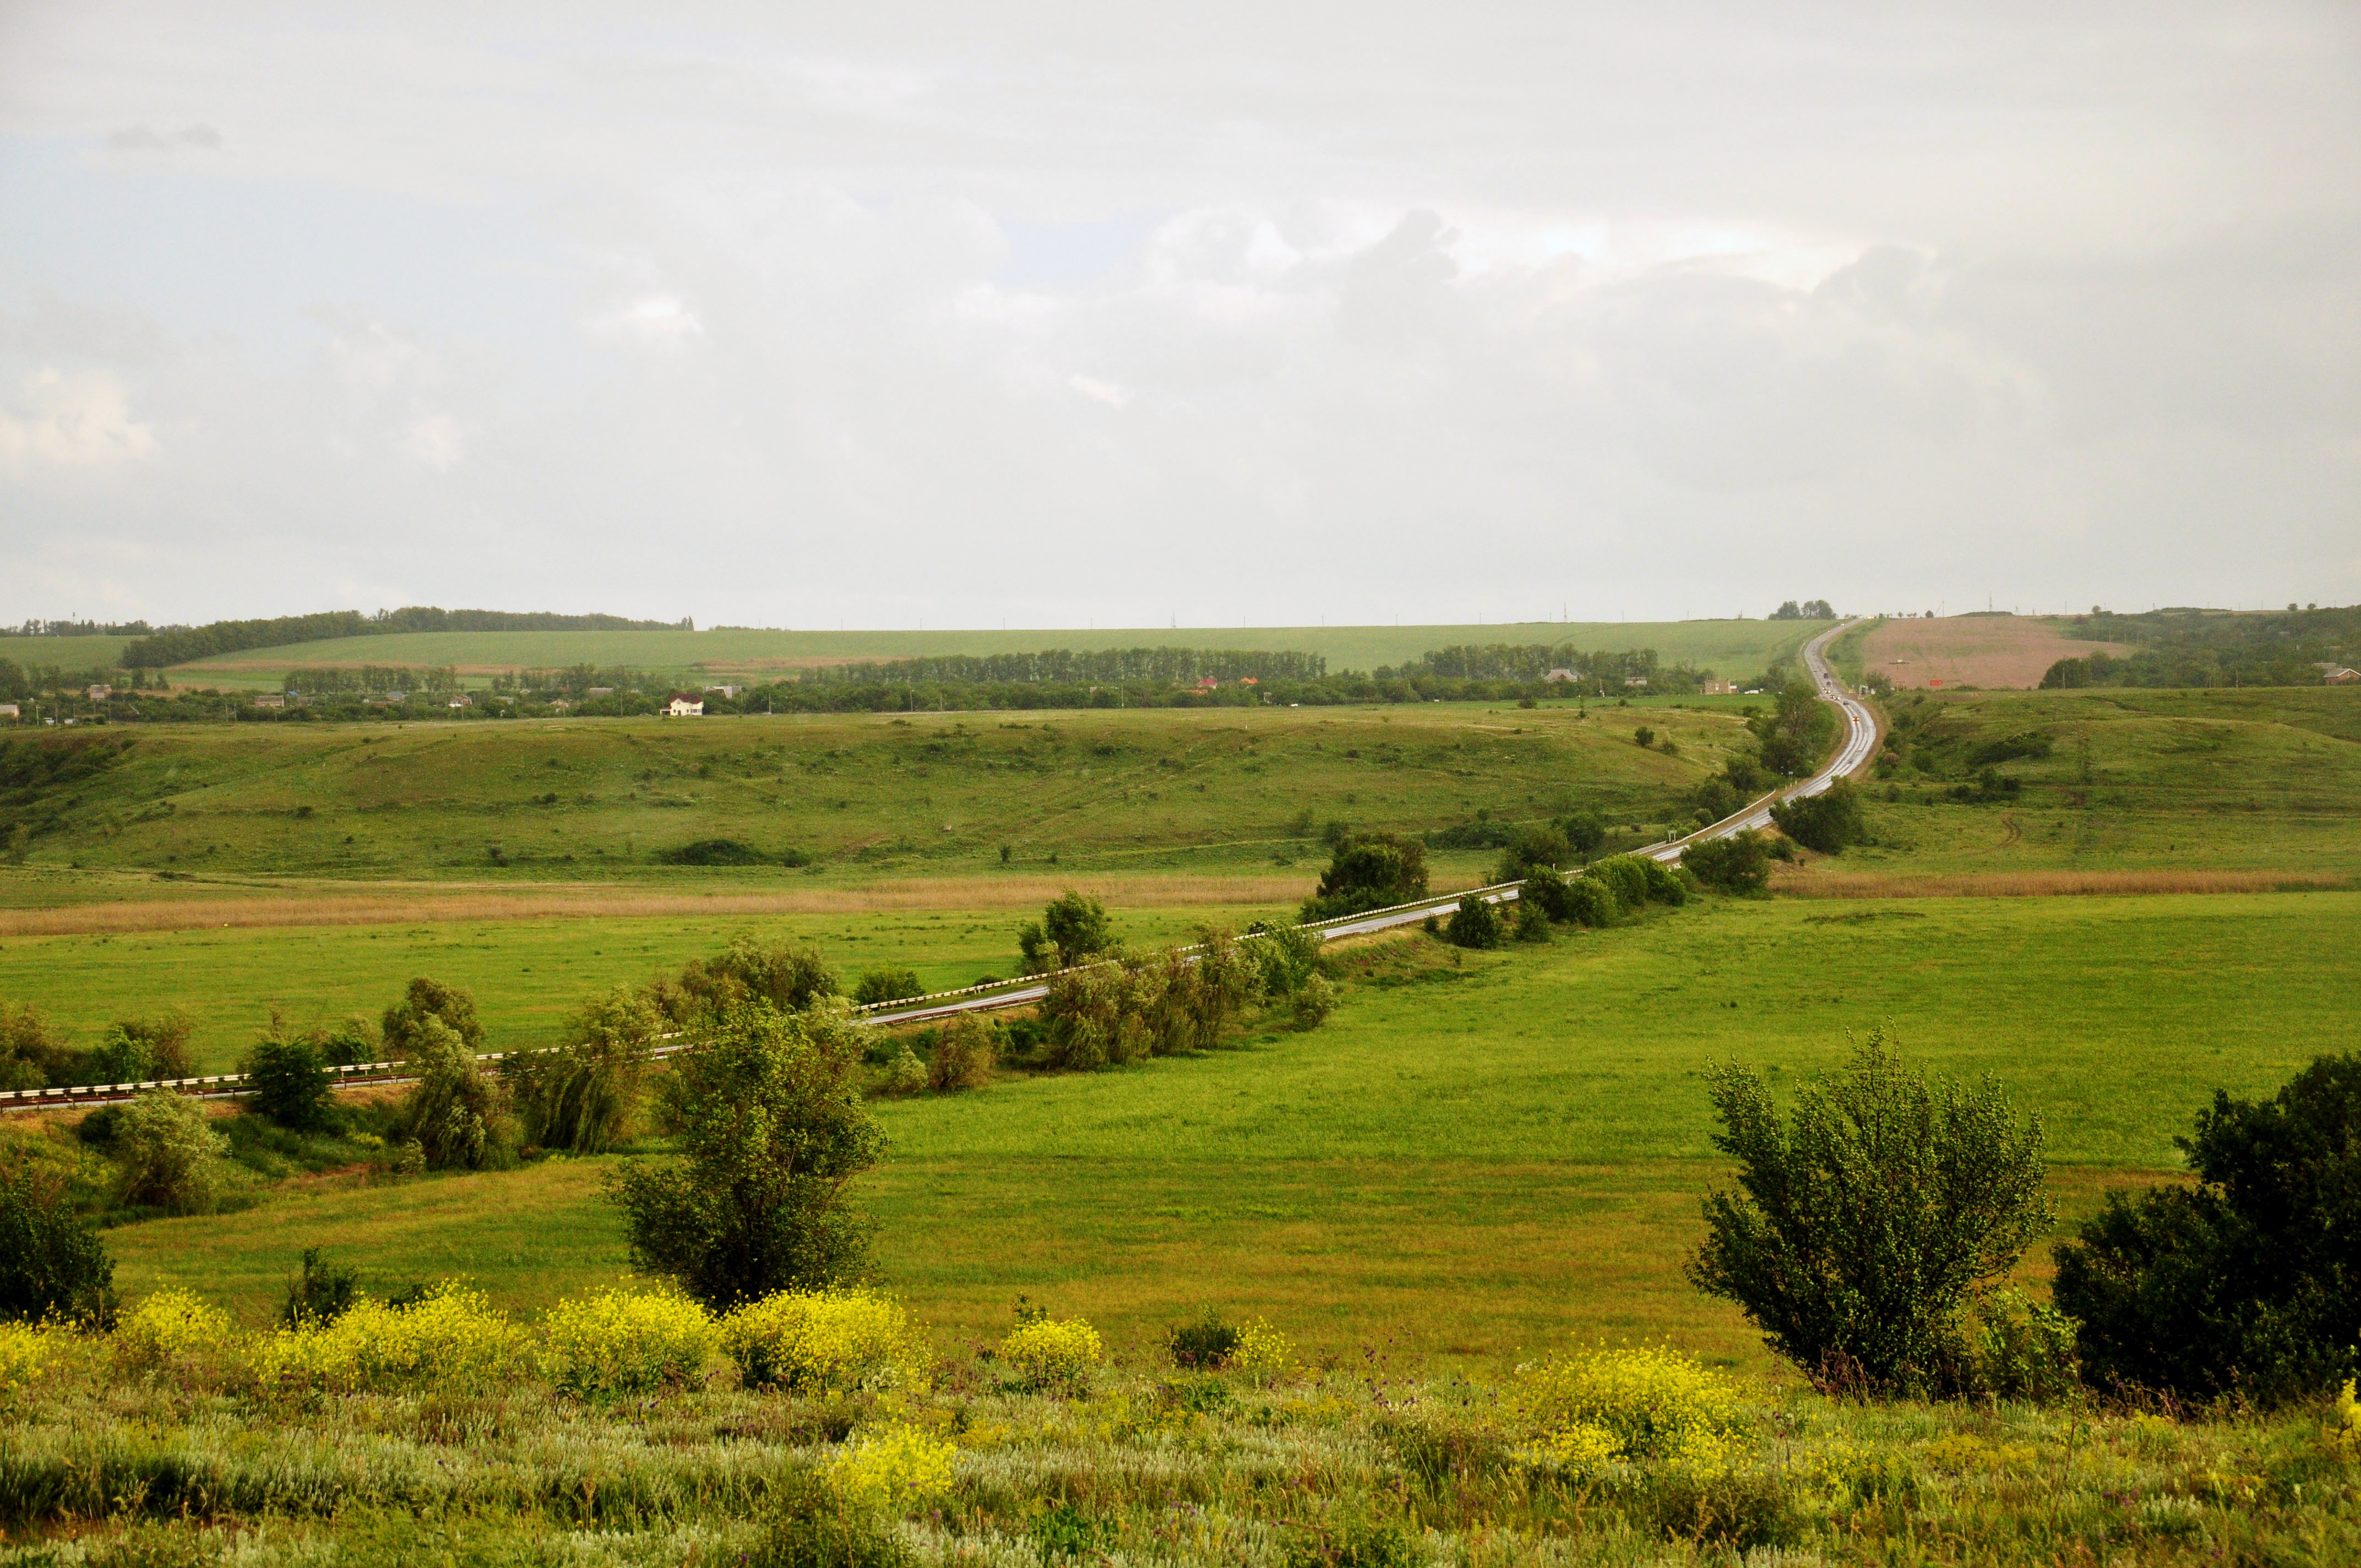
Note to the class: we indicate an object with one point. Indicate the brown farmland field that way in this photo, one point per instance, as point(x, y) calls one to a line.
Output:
point(1987, 650)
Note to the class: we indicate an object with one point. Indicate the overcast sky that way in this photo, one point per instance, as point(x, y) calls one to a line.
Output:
point(967, 312)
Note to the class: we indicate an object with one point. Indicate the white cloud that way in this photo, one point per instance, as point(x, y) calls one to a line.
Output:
point(79, 421)
point(1099, 391)
point(433, 440)
point(658, 319)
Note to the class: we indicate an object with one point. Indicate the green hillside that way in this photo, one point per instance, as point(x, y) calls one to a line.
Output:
point(70, 654)
point(1731, 647)
point(1139, 789)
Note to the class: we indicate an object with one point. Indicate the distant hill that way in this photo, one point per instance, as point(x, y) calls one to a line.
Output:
point(180, 645)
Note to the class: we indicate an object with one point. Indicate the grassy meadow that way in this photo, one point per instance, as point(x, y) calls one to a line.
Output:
point(1476, 1158)
point(1734, 647)
point(1160, 790)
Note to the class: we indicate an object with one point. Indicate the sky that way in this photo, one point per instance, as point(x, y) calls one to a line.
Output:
point(1056, 313)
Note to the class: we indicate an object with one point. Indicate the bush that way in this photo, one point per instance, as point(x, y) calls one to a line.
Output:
point(288, 1082)
point(1475, 924)
point(1285, 957)
point(429, 999)
point(772, 1132)
point(166, 1328)
point(321, 1294)
point(1544, 888)
point(1532, 846)
point(826, 1342)
point(887, 982)
point(964, 1055)
point(1073, 928)
point(1739, 863)
point(715, 853)
point(1098, 1016)
point(1532, 922)
point(1583, 833)
point(905, 1073)
point(444, 1337)
point(1826, 822)
point(581, 1096)
point(30, 1056)
point(807, 1524)
point(1052, 1356)
point(53, 1265)
point(456, 1115)
point(1263, 1354)
point(167, 1153)
point(624, 1342)
point(1632, 1403)
point(1627, 875)
point(892, 1473)
point(1868, 1225)
point(1368, 871)
point(1590, 902)
point(783, 976)
point(136, 1050)
point(1205, 1345)
point(1644, 736)
point(2247, 1282)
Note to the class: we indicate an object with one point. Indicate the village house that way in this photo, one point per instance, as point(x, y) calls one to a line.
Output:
point(729, 693)
point(8, 711)
point(271, 699)
point(683, 706)
point(2338, 675)
point(1714, 686)
point(1562, 674)
point(1635, 680)
point(100, 693)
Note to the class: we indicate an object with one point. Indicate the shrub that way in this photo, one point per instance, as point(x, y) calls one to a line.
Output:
point(1368, 871)
point(1627, 875)
point(1826, 822)
point(1205, 1345)
point(963, 1056)
point(1590, 902)
point(1099, 1016)
point(807, 1524)
point(783, 976)
point(1532, 922)
point(134, 1050)
point(166, 1328)
point(1541, 846)
point(321, 1293)
point(624, 1342)
point(1634, 1402)
point(23, 1349)
point(894, 1472)
point(1544, 888)
point(1053, 1356)
point(1644, 736)
point(581, 1097)
point(1739, 863)
point(30, 1056)
point(1664, 884)
point(288, 1082)
point(430, 999)
point(2246, 1281)
point(1867, 1223)
point(167, 1155)
point(456, 1115)
point(353, 1041)
point(1584, 833)
point(772, 1132)
point(825, 1341)
point(53, 1265)
point(1284, 957)
point(444, 1336)
point(1475, 924)
point(887, 982)
point(1311, 1006)
point(715, 853)
point(905, 1073)
point(1073, 928)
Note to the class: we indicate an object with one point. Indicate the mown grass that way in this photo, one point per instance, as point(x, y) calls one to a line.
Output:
point(1478, 1158)
point(1734, 647)
point(1113, 791)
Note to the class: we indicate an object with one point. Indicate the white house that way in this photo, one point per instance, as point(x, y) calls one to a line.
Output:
point(728, 693)
point(8, 710)
point(682, 707)
point(271, 699)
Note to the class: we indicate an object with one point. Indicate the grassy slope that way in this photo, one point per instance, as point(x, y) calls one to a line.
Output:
point(1734, 647)
point(1471, 1165)
point(2259, 779)
point(62, 652)
point(1120, 790)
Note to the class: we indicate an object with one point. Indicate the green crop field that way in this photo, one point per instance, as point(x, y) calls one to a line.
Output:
point(598, 799)
point(1732, 647)
point(68, 653)
point(1472, 1157)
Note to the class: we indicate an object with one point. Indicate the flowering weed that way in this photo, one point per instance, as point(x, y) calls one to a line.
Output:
point(1646, 1401)
point(452, 1339)
point(814, 1342)
point(625, 1342)
point(23, 1349)
point(167, 1328)
point(1054, 1357)
point(898, 1471)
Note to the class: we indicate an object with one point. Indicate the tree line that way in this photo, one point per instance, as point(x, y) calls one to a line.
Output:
point(2194, 648)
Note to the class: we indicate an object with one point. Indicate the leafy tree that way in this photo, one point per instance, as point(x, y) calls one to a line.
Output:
point(1544, 846)
point(887, 982)
point(964, 1055)
point(773, 1132)
point(1368, 871)
point(53, 1265)
point(426, 999)
point(454, 1113)
point(781, 975)
point(1476, 923)
point(288, 1080)
point(1078, 925)
point(1789, 610)
point(166, 1152)
point(30, 1056)
point(138, 1050)
point(1583, 833)
point(581, 1096)
point(1818, 609)
point(1826, 822)
point(1870, 1225)
point(1738, 863)
point(2250, 1281)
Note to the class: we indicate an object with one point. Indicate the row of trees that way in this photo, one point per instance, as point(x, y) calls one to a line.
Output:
point(2190, 648)
point(1061, 666)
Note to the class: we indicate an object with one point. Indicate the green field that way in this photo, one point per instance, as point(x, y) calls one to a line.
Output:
point(1470, 1159)
point(1732, 647)
point(596, 800)
point(68, 653)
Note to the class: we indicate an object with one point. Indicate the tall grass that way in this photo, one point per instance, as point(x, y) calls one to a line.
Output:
point(1815, 881)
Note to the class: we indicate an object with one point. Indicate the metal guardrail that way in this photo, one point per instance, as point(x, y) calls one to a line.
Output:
point(1023, 989)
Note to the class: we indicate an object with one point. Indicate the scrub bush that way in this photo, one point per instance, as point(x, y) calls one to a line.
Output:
point(1643, 1402)
point(813, 1341)
point(288, 1080)
point(167, 1153)
point(1053, 1356)
point(1205, 1345)
point(1475, 924)
point(52, 1264)
point(624, 1343)
point(581, 1096)
point(1627, 875)
point(1739, 863)
point(430, 999)
point(322, 1293)
point(1368, 871)
point(784, 976)
point(1532, 923)
point(1868, 1223)
point(1285, 957)
point(165, 1329)
point(1590, 902)
point(136, 1050)
point(892, 1473)
point(1828, 822)
point(809, 1525)
point(30, 1056)
point(1312, 1005)
point(964, 1055)
point(887, 982)
point(447, 1337)
point(456, 1114)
